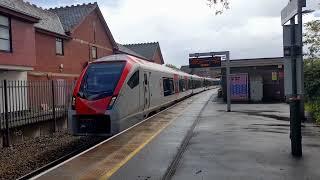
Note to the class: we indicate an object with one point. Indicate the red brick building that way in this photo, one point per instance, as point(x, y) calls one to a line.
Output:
point(85, 36)
point(55, 43)
point(17, 52)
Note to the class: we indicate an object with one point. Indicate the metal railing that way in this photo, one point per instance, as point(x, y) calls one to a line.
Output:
point(32, 101)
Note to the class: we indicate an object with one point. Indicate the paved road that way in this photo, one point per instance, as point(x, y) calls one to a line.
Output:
point(251, 143)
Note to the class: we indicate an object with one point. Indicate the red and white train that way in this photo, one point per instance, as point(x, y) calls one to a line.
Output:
point(115, 92)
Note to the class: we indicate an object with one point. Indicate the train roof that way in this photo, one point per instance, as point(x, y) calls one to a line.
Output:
point(144, 63)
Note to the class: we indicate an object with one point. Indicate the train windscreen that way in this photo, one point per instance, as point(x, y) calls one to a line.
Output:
point(100, 80)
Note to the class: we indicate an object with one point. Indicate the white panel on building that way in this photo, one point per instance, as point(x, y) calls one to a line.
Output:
point(17, 93)
point(256, 88)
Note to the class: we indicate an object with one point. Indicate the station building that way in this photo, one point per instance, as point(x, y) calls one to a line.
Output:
point(252, 80)
point(56, 43)
point(264, 79)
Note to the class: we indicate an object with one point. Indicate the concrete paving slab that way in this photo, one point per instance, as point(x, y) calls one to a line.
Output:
point(246, 144)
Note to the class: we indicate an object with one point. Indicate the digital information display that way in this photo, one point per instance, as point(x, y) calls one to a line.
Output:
point(202, 62)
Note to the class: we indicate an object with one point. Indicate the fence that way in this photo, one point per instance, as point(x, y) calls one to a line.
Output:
point(32, 101)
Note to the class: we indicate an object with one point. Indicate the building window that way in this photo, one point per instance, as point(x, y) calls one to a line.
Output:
point(59, 46)
point(5, 38)
point(94, 52)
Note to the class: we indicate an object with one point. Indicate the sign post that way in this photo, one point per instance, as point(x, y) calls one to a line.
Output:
point(292, 42)
point(228, 82)
point(213, 59)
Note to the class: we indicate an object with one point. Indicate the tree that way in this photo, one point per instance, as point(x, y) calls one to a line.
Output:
point(172, 66)
point(219, 5)
point(312, 79)
point(312, 38)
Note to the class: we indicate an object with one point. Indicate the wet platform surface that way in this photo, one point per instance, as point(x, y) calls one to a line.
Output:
point(153, 161)
point(252, 142)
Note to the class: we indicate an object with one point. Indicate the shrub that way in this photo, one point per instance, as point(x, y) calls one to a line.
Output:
point(312, 79)
point(314, 108)
point(312, 87)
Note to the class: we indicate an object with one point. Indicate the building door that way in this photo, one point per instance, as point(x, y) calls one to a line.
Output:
point(256, 88)
point(146, 84)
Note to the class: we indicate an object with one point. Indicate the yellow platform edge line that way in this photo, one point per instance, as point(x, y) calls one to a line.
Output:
point(132, 154)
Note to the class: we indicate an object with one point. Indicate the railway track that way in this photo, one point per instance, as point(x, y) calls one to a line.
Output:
point(60, 160)
point(36, 173)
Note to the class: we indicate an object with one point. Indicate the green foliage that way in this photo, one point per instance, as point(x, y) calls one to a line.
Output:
point(312, 87)
point(312, 38)
point(172, 66)
point(219, 5)
point(312, 69)
point(312, 79)
point(314, 108)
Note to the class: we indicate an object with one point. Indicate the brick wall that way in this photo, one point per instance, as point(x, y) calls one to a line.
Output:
point(23, 45)
point(157, 57)
point(76, 50)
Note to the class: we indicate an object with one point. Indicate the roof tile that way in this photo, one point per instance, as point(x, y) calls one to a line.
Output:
point(71, 16)
point(48, 20)
point(145, 49)
point(126, 50)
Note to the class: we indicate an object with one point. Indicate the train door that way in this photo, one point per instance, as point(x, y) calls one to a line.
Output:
point(146, 84)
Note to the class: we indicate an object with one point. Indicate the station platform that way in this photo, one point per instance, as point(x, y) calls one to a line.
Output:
point(145, 150)
point(198, 139)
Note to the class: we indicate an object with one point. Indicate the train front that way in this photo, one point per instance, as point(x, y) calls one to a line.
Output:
point(93, 99)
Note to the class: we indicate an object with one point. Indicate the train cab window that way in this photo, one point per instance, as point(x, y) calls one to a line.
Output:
point(100, 80)
point(134, 80)
point(168, 86)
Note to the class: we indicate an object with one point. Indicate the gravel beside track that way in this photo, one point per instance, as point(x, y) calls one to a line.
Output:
point(33, 153)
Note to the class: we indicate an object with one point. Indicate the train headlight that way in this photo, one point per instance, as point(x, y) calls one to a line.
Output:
point(73, 103)
point(113, 100)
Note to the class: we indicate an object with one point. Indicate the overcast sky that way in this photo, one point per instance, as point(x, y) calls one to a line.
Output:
point(249, 29)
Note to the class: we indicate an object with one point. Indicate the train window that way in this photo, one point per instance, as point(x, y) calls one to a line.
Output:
point(168, 87)
point(194, 84)
point(186, 84)
point(134, 80)
point(100, 80)
point(145, 79)
point(181, 85)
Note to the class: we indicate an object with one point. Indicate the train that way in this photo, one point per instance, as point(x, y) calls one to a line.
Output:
point(118, 91)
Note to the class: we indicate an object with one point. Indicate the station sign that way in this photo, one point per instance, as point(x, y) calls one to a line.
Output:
point(287, 39)
point(203, 62)
point(291, 10)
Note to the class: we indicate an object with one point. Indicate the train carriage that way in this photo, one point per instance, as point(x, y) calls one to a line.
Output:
point(115, 92)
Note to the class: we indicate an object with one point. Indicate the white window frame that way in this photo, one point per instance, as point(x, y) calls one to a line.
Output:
point(7, 27)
